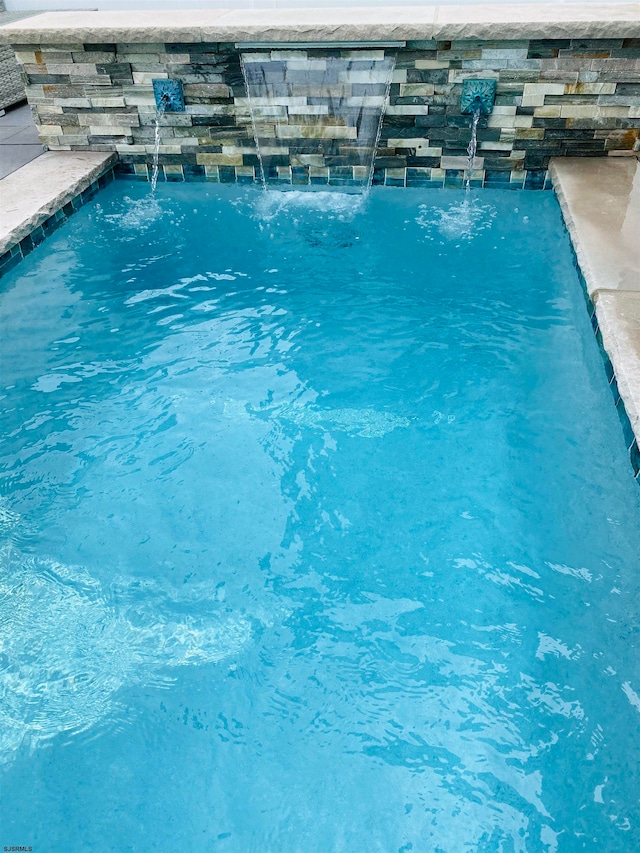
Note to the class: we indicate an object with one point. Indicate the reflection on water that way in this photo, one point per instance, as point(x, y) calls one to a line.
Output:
point(366, 423)
point(68, 646)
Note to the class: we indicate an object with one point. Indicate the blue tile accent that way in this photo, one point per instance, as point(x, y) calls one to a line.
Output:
point(50, 225)
point(425, 183)
point(534, 180)
point(454, 178)
point(629, 437)
point(342, 176)
point(193, 173)
point(169, 95)
point(37, 236)
point(634, 455)
point(478, 95)
point(8, 261)
point(609, 370)
point(497, 176)
point(299, 175)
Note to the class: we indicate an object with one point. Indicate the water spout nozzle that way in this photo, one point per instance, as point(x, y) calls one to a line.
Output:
point(169, 95)
point(478, 96)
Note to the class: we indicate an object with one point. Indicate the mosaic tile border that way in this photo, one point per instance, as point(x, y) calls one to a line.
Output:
point(337, 176)
point(19, 251)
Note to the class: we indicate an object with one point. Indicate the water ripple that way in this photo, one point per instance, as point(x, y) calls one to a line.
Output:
point(68, 646)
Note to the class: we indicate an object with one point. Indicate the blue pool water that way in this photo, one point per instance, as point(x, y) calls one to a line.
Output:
point(318, 532)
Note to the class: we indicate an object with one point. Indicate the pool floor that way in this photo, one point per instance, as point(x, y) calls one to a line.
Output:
point(317, 531)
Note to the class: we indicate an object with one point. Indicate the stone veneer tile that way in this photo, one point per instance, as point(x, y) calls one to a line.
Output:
point(534, 117)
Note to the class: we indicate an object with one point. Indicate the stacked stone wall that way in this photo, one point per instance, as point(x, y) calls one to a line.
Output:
point(554, 98)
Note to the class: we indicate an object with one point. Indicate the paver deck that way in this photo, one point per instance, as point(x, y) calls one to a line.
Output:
point(19, 143)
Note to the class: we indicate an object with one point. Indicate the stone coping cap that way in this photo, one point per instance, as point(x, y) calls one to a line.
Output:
point(600, 201)
point(403, 23)
point(35, 192)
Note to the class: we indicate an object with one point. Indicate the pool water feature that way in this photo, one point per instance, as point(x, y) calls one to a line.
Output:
point(472, 148)
point(156, 146)
point(318, 531)
point(312, 110)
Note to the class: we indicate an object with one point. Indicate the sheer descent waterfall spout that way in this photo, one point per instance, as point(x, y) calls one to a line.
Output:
point(317, 118)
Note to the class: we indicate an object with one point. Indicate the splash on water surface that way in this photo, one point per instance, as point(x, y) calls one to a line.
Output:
point(138, 215)
point(270, 205)
point(460, 221)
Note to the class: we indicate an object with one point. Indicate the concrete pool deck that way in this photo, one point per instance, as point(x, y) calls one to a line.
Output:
point(600, 200)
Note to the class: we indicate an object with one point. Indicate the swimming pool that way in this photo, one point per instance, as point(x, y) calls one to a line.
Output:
point(318, 531)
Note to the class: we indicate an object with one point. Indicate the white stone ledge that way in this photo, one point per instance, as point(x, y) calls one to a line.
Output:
point(600, 201)
point(497, 22)
point(36, 191)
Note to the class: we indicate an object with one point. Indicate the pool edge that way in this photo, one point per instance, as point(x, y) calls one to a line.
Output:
point(40, 196)
point(606, 262)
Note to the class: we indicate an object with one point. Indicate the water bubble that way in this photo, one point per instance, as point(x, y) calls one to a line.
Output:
point(462, 221)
